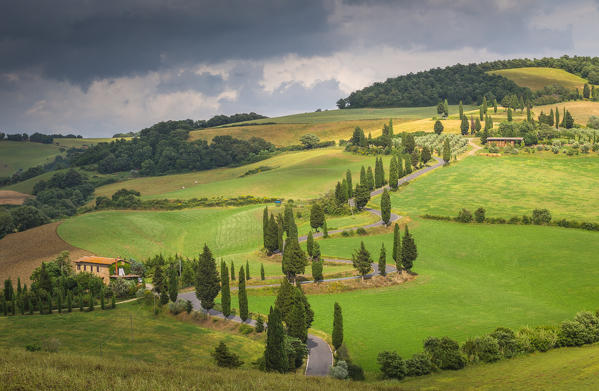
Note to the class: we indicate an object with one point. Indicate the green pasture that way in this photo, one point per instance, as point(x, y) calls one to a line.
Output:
point(507, 186)
point(536, 78)
point(471, 279)
point(295, 175)
point(16, 155)
point(129, 332)
point(231, 233)
point(566, 369)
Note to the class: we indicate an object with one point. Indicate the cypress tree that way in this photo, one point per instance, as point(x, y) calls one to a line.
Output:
point(386, 207)
point(509, 114)
point(480, 113)
point(325, 231)
point(557, 118)
point(49, 304)
point(272, 241)
point(464, 126)
point(102, 304)
point(445, 108)
point(316, 216)
point(317, 269)
point(446, 151)
point(363, 176)
point(247, 270)
point(484, 105)
point(232, 271)
point(40, 307)
point(173, 283)
point(70, 301)
point(495, 105)
point(207, 280)
point(407, 165)
point(225, 289)
point(58, 302)
point(348, 178)
point(113, 301)
point(397, 247)
point(284, 299)
point(262, 272)
point(19, 290)
point(393, 177)
point(383, 261)
point(337, 326)
point(291, 226)
point(275, 357)
point(296, 326)
point(280, 231)
point(391, 127)
point(362, 197)
point(316, 251)
point(344, 191)
point(461, 110)
point(339, 194)
point(259, 324)
point(158, 279)
point(370, 178)
point(14, 306)
point(438, 127)
point(30, 304)
point(264, 225)
point(409, 253)
point(294, 259)
point(472, 124)
point(378, 180)
point(400, 170)
point(242, 297)
point(528, 114)
point(477, 127)
point(362, 261)
point(309, 243)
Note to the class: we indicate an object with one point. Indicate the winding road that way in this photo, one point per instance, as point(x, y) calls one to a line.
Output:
point(320, 355)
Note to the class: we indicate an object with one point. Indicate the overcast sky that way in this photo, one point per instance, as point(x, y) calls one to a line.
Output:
point(102, 67)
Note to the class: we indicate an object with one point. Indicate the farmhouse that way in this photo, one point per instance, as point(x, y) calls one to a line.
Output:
point(503, 141)
point(105, 268)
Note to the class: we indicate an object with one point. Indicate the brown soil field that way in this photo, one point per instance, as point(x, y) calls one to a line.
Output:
point(22, 252)
point(9, 197)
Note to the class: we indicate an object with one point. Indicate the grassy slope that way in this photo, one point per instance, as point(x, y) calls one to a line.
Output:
point(580, 110)
point(536, 78)
point(508, 186)
point(297, 175)
point(472, 279)
point(232, 233)
point(570, 369)
point(16, 155)
point(155, 339)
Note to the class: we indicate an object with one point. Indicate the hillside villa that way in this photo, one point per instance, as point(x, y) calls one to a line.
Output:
point(105, 268)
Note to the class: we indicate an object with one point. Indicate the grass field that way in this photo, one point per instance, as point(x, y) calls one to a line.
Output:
point(507, 186)
point(130, 332)
point(295, 175)
point(580, 110)
point(567, 369)
point(15, 155)
point(472, 279)
point(231, 233)
point(536, 78)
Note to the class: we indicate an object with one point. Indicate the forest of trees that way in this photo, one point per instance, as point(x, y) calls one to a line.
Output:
point(466, 83)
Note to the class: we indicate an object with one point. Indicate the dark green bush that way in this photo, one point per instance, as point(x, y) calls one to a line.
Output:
point(391, 365)
point(485, 349)
point(464, 216)
point(419, 365)
point(444, 353)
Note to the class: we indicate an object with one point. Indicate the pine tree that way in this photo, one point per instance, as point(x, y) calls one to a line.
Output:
point(296, 326)
point(397, 247)
point(461, 111)
point(383, 261)
point(464, 126)
point(70, 301)
point(386, 207)
point(337, 326)
point(362, 261)
point(262, 272)
point(265, 222)
point(509, 114)
point(294, 259)
point(207, 280)
point(243, 297)
point(232, 271)
point(272, 241)
point(446, 151)
point(370, 178)
point(225, 289)
point(173, 283)
point(348, 178)
point(409, 253)
point(247, 270)
point(275, 356)
point(393, 177)
point(316, 216)
point(309, 243)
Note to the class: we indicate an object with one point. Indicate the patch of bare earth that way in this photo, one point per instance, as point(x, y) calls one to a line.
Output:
point(350, 285)
point(22, 252)
point(9, 197)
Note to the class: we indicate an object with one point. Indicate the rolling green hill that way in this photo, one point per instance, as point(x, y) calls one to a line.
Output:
point(17, 155)
point(536, 78)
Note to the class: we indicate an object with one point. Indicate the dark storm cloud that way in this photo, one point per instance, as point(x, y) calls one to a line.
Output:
point(186, 80)
point(84, 40)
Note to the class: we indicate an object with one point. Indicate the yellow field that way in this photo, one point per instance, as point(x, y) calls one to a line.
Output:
point(580, 110)
point(536, 78)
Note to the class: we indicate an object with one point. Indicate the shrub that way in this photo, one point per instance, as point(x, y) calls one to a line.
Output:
point(540, 338)
point(419, 365)
point(120, 287)
point(541, 216)
point(33, 347)
point(514, 220)
point(355, 372)
point(506, 341)
point(526, 220)
point(224, 358)
point(361, 231)
point(572, 333)
point(245, 329)
point(464, 216)
point(479, 215)
point(177, 307)
point(259, 324)
point(347, 233)
point(444, 353)
point(339, 371)
point(392, 365)
point(485, 349)
point(188, 306)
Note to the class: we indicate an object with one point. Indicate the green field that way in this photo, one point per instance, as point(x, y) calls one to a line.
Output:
point(567, 369)
point(536, 78)
point(231, 233)
point(129, 332)
point(471, 279)
point(295, 175)
point(15, 155)
point(507, 186)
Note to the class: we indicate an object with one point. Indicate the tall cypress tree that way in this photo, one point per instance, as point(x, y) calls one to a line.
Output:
point(247, 270)
point(480, 113)
point(296, 325)
point(225, 289)
point(265, 222)
point(232, 271)
point(509, 114)
point(396, 254)
point(409, 253)
point(173, 282)
point(291, 226)
point(280, 232)
point(464, 126)
point(243, 297)
point(370, 178)
point(272, 241)
point(393, 173)
point(361, 260)
point(484, 105)
point(461, 110)
point(207, 280)
point(556, 117)
point(262, 272)
point(309, 243)
point(348, 178)
point(363, 176)
point(317, 269)
point(445, 108)
point(275, 357)
point(294, 259)
point(446, 151)
point(378, 174)
point(386, 207)
point(316, 216)
point(337, 326)
point(325, 230)
point(495, 105)
point(477, 127)
point(383, 261)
